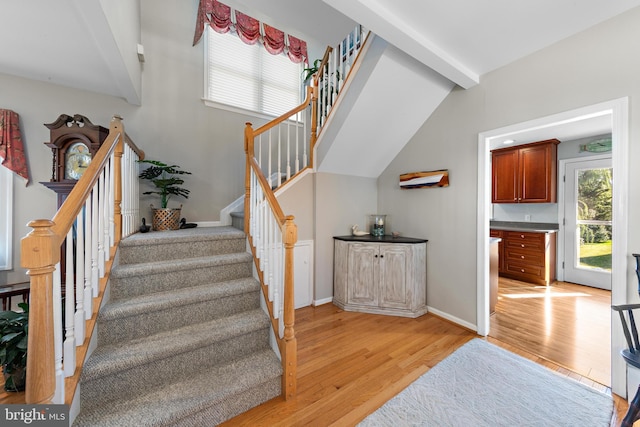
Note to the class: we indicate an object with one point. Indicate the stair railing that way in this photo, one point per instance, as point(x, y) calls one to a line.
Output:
point(101, 209)
point(334, 71)
point(271, 234)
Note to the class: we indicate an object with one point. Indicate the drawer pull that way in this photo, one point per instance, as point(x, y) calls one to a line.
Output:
point(522, 270)
point(522, 236)
point(522, 246)
point(522, 256)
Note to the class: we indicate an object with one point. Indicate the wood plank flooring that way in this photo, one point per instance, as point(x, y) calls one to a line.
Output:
point(349, 364)
point(566, 323)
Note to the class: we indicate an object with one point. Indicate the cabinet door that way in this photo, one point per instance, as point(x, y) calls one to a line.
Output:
point(504, 177)
point(362, 276)
point(394, 290)
point(537, 174)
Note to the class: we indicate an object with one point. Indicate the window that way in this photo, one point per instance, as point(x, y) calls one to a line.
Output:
point(248, 77)
point(6, 212)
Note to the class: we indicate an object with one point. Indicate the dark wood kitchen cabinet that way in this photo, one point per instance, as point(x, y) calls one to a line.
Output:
point(525, 174)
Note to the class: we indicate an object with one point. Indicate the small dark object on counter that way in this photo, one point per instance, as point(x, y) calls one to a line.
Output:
point(144, 227)
point(185, 224)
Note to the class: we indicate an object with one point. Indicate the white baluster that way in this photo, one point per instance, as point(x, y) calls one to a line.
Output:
point(58, 396)
point(269, 155)
point(79, 315)
point(88, 256)
point(124, 192)
point(69, 307)
point(288, 149)
point(95, 208)
point(298, 116)
point(112, 204)
point(259, 150)
point(279, 154)
point(99, 217)
point(304, 145)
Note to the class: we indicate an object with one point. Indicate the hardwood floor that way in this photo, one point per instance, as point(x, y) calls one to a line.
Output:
point(566, 323)
point(349, 364)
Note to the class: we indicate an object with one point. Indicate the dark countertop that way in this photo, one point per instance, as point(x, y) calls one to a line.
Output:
point(384, 239)
point(542, 227)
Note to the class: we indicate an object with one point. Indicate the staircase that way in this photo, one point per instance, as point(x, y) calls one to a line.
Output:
point(183, 340)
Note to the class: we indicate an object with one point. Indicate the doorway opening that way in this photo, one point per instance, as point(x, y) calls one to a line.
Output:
point(616, 112)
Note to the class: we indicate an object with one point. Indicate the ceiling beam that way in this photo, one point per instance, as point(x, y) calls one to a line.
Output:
point(384, 23)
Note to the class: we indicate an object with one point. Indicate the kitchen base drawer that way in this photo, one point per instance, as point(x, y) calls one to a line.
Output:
point(519, 256)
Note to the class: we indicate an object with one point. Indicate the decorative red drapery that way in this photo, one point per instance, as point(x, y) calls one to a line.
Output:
point(11, 148)
point(220, 17)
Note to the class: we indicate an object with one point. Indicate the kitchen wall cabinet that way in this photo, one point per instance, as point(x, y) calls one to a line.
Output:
point(380, 276)
point(525, 173)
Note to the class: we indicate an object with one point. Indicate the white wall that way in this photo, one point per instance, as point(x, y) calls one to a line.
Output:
point(597, 65)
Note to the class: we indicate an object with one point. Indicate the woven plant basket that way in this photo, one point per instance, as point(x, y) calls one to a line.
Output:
point(166, 219)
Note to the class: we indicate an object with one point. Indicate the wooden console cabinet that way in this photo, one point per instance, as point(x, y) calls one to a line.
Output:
point(525, 173)
point(381, 275)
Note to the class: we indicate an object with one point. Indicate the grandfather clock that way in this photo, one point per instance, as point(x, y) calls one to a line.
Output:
point(74, 142)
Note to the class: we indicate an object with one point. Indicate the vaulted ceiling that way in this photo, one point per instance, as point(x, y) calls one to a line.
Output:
point(460, 39)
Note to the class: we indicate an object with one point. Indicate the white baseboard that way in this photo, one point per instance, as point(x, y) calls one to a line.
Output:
point(452, 318)
point(323, 301)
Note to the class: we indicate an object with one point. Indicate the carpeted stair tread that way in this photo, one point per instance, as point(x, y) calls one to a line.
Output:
point(117, 357)
point(159, 267)
point(185, 235)
point(204, 392)
point(182, 296)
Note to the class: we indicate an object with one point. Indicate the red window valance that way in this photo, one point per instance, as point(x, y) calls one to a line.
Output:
point(223, 19)
point(11, 148)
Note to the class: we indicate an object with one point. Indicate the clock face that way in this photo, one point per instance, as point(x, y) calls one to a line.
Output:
point(77, 159)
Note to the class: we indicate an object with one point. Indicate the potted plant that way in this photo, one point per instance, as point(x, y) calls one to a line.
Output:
point(166, 178)
point(13, 347)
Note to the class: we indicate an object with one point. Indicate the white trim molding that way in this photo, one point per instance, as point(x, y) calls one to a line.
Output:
point(618, 110)
point(6, 218)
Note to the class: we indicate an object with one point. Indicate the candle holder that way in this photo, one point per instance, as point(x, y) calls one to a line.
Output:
point(377, 224)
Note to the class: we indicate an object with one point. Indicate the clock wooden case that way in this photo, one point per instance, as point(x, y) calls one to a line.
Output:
point(74, 141)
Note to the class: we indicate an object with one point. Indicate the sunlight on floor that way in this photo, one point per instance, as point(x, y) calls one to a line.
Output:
point(547, 295)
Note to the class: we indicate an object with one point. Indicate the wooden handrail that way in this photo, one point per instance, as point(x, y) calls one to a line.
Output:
point(287, 344)
point(323, 64)
point(273, 123)
point(40, 252)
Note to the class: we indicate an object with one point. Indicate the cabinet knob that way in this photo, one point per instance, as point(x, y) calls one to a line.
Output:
point(522, 236)
point(376, 256)
point(522, 270)
point(522, 256)
point(381, 256)
point(522, 246)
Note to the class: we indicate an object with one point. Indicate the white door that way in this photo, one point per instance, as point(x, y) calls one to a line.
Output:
point(587, 217)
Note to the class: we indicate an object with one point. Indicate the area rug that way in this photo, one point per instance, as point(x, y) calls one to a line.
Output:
point(481, 384)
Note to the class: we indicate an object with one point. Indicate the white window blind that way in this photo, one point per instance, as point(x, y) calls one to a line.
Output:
point(248, 77)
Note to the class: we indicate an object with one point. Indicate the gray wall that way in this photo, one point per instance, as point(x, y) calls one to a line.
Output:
point(341, 202)
point(597, 65)
point(297, 200)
